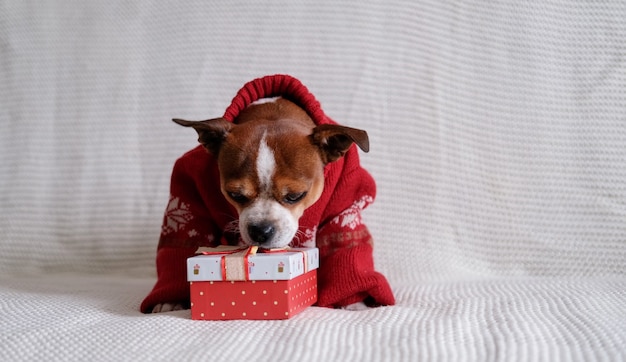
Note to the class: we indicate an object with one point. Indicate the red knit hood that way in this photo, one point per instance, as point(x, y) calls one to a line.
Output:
point(276, 85)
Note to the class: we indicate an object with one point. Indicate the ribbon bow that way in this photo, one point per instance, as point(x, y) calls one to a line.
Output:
point(234, 261)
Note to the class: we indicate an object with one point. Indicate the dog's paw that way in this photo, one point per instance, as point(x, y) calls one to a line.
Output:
point(356, 307)
point(167, 307)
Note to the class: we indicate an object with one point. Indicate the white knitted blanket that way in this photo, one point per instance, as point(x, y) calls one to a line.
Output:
point(498, 142)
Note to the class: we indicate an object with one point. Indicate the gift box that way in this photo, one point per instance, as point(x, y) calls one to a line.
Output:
point(243, 283)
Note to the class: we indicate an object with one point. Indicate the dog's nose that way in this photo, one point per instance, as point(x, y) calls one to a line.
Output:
point(261, 233)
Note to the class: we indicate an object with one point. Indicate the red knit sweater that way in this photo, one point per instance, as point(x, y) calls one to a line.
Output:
point(199, 215)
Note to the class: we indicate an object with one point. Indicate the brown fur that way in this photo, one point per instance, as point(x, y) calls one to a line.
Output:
point(301, 149)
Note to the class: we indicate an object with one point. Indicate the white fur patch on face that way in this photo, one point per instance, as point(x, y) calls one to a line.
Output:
point(264, 100)
point(265, 166)
point(265, 209)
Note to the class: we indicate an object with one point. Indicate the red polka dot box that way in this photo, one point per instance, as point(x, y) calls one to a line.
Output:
point(245, 283)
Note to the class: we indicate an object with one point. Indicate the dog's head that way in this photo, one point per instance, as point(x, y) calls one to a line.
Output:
point(271, 162)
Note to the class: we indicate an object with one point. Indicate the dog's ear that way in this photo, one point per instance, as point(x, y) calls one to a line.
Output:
point(334, 141)
point(211, 133)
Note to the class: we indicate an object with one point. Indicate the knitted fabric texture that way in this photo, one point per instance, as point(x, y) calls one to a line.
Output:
point(199, 215)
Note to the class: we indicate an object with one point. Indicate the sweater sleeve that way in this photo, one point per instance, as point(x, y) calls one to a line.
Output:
point(187, 224)
point(346, 273)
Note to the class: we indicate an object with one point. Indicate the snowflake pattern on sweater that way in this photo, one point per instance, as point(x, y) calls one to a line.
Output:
point(177, 215)
point(351, 217)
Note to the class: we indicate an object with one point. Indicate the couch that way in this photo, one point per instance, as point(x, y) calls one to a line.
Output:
point(497, 130)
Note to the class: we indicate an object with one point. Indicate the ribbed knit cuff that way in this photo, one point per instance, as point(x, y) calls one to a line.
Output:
point(171, 285)
point(347, 276)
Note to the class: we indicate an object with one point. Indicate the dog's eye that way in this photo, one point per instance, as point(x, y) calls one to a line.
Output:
point(293, 197)
point(238, 197)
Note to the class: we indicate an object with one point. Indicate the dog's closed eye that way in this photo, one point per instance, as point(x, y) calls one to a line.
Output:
point(294, 197)
point(238, 197)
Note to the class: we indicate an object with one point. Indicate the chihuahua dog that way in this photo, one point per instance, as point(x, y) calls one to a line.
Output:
point(278, 171)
